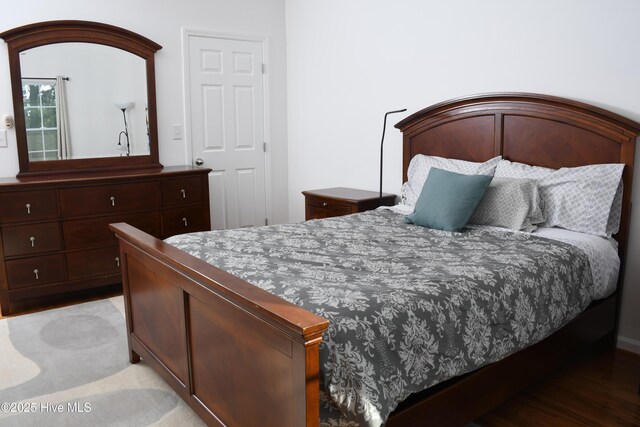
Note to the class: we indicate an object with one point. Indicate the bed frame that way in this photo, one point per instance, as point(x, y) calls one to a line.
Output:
point(240, 356)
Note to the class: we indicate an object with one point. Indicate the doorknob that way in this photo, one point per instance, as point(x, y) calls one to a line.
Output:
point(199, 162)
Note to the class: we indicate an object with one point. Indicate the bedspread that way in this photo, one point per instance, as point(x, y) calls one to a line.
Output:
point(408, 307)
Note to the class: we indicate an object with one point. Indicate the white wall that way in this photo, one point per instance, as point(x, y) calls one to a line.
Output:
point(350, 61)
point(162, 21)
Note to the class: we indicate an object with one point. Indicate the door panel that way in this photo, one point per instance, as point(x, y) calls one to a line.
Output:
point(218, 206)
point(247, 183)
point(227, 126)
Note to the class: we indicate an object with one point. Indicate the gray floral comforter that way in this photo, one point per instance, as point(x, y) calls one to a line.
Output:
point(408, 306)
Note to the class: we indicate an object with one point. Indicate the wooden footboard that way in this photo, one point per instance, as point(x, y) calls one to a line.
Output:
point(240, 356)
point(236, 354)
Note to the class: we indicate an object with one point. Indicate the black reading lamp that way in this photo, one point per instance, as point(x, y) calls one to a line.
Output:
point(123, 106)
point(384, 128)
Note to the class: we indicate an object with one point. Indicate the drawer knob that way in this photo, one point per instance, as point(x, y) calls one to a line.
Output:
point(28, 206)
point(184, 193)
point(113, 200)
point(185, 222)
point(118, 261)
point(33, 241)
point(325, 204)
point(36, 273)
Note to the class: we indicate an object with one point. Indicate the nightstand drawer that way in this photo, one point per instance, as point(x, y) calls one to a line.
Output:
point(330, 202)
point(329, 205)
point(35, 271)
point(315, 211)
point(31, 239)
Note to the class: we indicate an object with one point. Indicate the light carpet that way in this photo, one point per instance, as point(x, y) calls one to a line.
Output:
point(70, 367)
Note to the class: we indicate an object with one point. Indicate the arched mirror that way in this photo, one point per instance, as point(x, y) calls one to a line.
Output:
point(84, 97)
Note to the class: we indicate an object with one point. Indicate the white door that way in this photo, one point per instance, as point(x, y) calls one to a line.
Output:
point(227, 127)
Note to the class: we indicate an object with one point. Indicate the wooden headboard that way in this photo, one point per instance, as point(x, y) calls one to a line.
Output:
point(529, 128)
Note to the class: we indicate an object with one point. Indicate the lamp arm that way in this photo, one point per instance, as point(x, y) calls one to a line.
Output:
point(384, 128)
point(126, 130)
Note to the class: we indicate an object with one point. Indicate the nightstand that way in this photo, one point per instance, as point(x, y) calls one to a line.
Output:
point(338, 201)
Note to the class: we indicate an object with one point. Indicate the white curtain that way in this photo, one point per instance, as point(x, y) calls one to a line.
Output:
point(64, 133)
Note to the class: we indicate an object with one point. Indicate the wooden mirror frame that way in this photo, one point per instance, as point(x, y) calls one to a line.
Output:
point(52, 32)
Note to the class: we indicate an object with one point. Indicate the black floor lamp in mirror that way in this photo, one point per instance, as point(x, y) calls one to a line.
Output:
point(124, 106)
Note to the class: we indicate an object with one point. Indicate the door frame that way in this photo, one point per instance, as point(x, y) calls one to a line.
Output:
point(186, 90)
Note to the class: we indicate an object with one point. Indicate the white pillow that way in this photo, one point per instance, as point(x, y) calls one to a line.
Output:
point(578, 199)
point(421, 164)
point(510, 203)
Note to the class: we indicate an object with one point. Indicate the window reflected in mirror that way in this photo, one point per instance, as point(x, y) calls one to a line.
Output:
point(39, 98)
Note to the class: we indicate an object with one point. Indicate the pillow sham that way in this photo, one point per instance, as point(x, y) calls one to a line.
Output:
point(578, 199)
point(510, 203)
point(421, 164)
point(448, 199)
point(613, 224)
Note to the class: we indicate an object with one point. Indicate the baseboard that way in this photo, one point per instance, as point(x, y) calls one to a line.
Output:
point(628, 344)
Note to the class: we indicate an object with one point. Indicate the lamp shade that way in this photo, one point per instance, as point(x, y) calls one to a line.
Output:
point(127, 105)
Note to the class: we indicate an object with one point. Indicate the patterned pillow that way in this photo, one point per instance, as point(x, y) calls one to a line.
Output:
point(613, 225)
point(578, 199)
point(510, 203)
point(421, 164)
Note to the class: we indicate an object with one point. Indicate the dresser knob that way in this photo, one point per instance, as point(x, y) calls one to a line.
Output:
point(325, 204)
point(118, 261)
point(184, 193)
point(185, 221)
point(33, 241)
point(36, 273)
point(28, 206)
point(113, 200)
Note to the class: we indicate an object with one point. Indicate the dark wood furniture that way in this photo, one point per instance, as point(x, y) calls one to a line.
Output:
point(54, 217)
point(329, 202)
point(51, 32)
point(240, 356)
point(54, 232)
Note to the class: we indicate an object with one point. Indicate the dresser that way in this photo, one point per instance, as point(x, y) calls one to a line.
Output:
point(54, 231)
point(337, 201)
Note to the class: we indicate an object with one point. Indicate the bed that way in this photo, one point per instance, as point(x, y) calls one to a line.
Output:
point(241, 356)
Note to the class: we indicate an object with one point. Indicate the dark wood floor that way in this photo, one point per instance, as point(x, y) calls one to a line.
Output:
point(602, 390)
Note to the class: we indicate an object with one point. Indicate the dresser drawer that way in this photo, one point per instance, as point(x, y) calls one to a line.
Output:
point(35, 271)
point(108, 199)
point(28, 205)
point(31, 239)
point(184, 220)
point(94, 262)
point(181, 191)
point(86, 233)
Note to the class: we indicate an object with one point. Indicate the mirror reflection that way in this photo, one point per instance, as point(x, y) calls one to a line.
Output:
point(84, 100)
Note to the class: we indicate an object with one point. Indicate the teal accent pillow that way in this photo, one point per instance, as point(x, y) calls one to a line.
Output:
point(448, 200)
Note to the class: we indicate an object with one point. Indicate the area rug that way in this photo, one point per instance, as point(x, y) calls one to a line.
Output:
point(70, 367)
